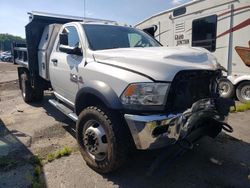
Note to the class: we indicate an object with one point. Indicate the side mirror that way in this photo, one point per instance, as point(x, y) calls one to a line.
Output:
point(70, 50)
point(151, 30)
point(63, 37)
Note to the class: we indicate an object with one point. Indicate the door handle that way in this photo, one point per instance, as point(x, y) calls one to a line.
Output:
point(54, 61)
point(80, 79)
point(73, 77)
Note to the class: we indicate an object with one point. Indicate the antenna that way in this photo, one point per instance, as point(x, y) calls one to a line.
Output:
point(84, 8)
point(84, 36)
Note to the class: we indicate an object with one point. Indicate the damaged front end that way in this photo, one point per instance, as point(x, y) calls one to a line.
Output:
point(205, 114)
point(205, 117)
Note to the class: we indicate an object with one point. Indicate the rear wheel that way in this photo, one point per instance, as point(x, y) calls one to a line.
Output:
point(38, 94)
point(28, 93)
point(226, 88)
point(243, 92)
point(26, 89)
point(102, 137)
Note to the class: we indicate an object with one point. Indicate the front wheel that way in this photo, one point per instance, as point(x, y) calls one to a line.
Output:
point(243, 92)
point(226, 88)
point(102, 138)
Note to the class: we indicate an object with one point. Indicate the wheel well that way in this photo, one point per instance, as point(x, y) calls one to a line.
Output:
point(241, 82)
point(37, 82)
point(21, 70)
point(87, 100)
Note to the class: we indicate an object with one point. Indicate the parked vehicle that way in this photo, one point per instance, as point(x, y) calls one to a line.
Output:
point(218, 26)
point(6, 56)
point(244, 53)
point(120, 86)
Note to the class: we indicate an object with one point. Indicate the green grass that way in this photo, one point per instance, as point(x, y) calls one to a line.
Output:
point(37, 181)
point(59, 153)
point(240, 108)
point(36, 177)
point(38, 162)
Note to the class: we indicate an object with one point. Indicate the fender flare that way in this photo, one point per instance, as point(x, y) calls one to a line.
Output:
point(100, 90)
point(236, 80)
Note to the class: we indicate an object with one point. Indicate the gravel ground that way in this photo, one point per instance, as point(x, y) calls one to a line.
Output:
point(7, 72)
point(41, 129)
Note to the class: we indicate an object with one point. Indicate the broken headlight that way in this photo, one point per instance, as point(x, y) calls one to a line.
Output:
point(145, 94)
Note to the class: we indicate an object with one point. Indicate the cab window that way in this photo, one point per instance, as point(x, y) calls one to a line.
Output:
point(73, 38)
point(134, 39)
point(102, 37)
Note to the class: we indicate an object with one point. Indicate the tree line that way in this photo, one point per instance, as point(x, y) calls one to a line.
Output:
point(7, 39)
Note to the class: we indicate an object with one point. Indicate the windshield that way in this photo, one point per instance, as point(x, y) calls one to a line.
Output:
point(101, 37)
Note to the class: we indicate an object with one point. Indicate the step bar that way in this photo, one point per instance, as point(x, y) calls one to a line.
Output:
point(64, 109)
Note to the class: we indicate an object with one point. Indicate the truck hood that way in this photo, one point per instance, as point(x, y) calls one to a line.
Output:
point(159, 63)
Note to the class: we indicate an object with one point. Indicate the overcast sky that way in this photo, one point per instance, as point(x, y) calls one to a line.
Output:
point(13, 13)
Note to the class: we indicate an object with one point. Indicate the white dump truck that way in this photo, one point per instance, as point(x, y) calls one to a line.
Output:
point(120, 86)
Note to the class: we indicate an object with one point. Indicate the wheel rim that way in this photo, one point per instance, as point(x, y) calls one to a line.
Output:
point(23, 88)
point(224, 88)
point(95, 140)
point(245, 92)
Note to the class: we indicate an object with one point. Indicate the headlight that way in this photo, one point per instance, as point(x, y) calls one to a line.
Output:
point(151, 94)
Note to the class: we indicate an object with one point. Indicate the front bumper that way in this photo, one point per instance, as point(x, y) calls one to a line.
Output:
point(156, 131)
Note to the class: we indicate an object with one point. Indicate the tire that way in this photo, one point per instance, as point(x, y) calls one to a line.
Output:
point(112, 138)
point(26, 89)
point(38, 94)
point(243, 92)
point(226, 88)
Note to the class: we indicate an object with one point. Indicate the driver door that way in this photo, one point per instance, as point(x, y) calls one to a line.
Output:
point(64, 66)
